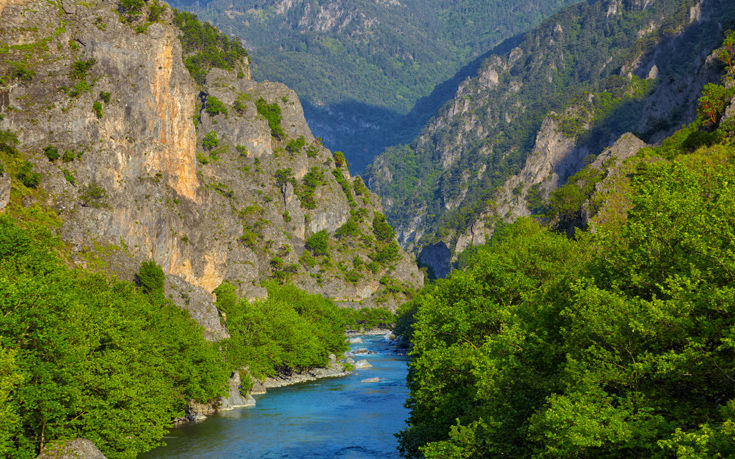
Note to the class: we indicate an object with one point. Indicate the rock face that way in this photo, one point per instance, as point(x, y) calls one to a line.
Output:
point(138, 181)
point(471, 173)
point(235, 398)
point(79, 448)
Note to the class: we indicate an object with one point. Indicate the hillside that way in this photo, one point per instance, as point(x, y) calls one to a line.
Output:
point(529, 118)
point(361, 65)
point(580, 347)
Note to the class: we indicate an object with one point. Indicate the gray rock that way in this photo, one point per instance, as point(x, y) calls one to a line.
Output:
point(361, 364)
point(4, 189)
point(79, 448)
point(370, 380)
point(235, 398)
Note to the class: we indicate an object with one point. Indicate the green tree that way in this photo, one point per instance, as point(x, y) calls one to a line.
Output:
point(151, 278)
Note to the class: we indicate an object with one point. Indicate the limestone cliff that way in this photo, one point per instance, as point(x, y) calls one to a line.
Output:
point(144, 166)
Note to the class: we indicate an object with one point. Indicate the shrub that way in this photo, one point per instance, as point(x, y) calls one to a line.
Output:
point(210, 140)
point(312, 151)
point(382, 229)
point(350, 228)
point(8, 142)
point(26, 175)
point(92, 195)
point(131, 9)
point(242, 150)
point(79, 68)
point(51, 152)
point(97, 107)
point(215, 106)
point(68, 156)
point(387, 254)
point(150, 278)
point(20, 71)
point(69, 176)
point(318, 243)
point(155, 10)
point(272, 114)
point(105, 97)
point(284, 176)
point(339, 159)
point(295, 145)
point(79, 88)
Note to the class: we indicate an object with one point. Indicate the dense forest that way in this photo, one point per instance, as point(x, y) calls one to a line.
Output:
point(612, 343)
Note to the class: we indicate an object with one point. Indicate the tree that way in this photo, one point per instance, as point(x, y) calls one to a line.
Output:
point(151, 278)
point(713, 102)
point(318, 243)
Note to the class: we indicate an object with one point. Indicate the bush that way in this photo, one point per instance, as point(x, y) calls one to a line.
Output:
point(97, 108)
point(69, 176)
point(242, 150)
point(79, 88)
point(131, 9)
point(215, 106)
point(272, 114)
point(318, 243)
point(155, 10)
point(80, 68)
point(295, 145)
point(210, 140)
point(150, 278)
point(92, 195)
point(339, 159)
point(382, 229)
point(105, 97)
point(51, 152)
point(26, 175)
point(8, 142)
point(20, 71)
point(68, 156)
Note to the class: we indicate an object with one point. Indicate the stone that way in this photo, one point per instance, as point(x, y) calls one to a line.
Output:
point(370, 380)
point(79, 448)
point(235, 398)
point(361, 364)
point(4, 189)
point(355, 340)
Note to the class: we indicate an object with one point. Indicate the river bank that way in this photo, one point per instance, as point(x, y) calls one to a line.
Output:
point(349, 416)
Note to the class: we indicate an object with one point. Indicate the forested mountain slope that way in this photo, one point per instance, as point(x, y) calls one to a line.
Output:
point(361, 65)
point(616, 343)
point(530, 117)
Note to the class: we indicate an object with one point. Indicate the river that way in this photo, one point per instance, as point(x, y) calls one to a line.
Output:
point(338, 417)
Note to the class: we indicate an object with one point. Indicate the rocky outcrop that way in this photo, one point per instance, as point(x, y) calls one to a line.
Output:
point(79, 448)
point(334, 369)
point(4, 189)
point(235, 397)
point(137, 180)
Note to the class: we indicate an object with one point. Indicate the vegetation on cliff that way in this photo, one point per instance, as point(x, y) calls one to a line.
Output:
point(614, 343)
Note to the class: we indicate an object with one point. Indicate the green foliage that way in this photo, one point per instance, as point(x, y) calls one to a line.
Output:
point(242, 149)
point(370, 318)
point(131, 9)
point(318, 243)
point(20, 71)
point(295, 145)
point(214, 106)
point(80, 87)
point(272, 114)
point(92, 195)
point(8, 142)
point(726, 52)
point(97, 108)
point(284, 176)
point(581, 348)
point(69, 176)
point(155, 10)
point(82, 355)
point(345, 185)
point(205, 47)
point(68, 156)
point(210, 141)
point(105, 97)
point(339, 159)
point(26, 175)
point(351, 228)
point(51, 152)
point(289, 330)
point(565, 203)
point(311, 181)
point(713, 102)
point(387, 254)
point(150, 278)
point(382, 229)
point(80, 67)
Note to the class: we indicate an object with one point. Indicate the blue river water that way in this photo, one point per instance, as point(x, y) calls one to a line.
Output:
point(337, 417)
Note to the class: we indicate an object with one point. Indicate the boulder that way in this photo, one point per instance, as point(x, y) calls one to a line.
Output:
point(79, 448)
point(363, 364)
point(370, 380)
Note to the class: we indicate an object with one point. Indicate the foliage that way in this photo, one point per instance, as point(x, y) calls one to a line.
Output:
point(131, 9)
point(272, 114)
point(51, 152)
point(318, 243)
point(210, 141)
point(289, 330)
point(26, 175)
point(616, 344)
point(370, 318)
point(339, 159)
point(382, 229)
point(97, 108)
point(311, 181)
point(82, 355)
point(345, 185)
point(92, 195)
point(205, 47)
point(726, 52)
point(68, 156)
point(150, 278)
point(295, 145)
point(21, 71)
point(215, 106)
point(8, 142)
point(80, 68)
point(713, 102)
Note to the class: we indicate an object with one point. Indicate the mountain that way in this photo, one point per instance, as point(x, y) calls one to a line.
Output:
point(533, 116)
point(360, 66)
point(214, 181)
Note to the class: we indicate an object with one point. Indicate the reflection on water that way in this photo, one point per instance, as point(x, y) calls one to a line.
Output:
point(339, 417)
